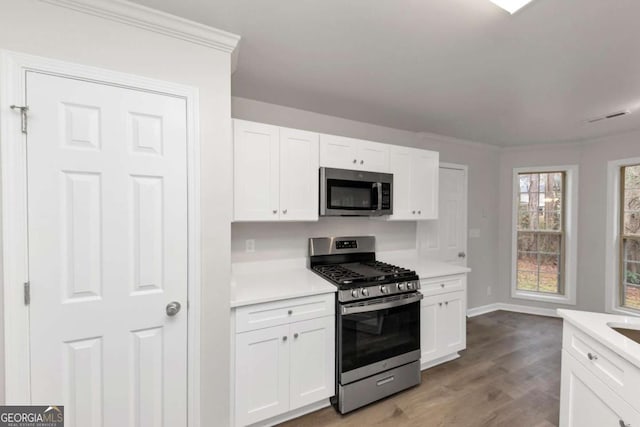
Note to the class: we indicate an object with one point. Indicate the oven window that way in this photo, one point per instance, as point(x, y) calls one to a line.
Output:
point(374, 336)
point(351, 195)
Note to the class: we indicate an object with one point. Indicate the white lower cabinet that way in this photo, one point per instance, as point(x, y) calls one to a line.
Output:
point(586, 401)
point(282, 368)
point(443, 314)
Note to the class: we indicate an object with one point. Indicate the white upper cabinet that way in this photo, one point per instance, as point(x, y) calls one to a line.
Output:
point(349, 153)
point(298, 175)
point(415, 183)
point(275, 173)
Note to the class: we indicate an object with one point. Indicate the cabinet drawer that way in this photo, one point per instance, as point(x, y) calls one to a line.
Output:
point(612, 369)
point(440, 285)
point(265, 315)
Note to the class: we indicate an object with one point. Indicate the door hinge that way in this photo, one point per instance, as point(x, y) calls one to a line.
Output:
point(23, 116)
point(27, 293)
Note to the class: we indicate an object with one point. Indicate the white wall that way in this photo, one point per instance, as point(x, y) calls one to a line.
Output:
point(38, 28)
point(592, 157)
point(289, 240)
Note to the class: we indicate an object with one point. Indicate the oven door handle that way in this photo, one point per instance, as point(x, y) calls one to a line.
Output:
point(357, 308)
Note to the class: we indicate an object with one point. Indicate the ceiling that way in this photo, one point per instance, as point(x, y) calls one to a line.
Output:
point(460, 68)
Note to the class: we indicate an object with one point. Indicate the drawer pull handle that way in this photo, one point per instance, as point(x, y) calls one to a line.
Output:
point(592, 356)
point(385, 381)
point(290, 312)
point(623, 424)
point(442, 285)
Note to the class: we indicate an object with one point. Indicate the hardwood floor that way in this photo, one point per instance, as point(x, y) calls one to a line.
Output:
point(508, 376)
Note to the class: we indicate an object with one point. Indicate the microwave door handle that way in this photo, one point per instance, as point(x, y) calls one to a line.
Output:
point(379, 185)
point(357, 308)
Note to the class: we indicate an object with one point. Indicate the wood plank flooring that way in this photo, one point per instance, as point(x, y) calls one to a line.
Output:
point(508, 376)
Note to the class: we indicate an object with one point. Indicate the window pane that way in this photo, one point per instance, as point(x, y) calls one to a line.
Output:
point(632, 222)
point(540, 216)
point(631, 273)
point(632, 177)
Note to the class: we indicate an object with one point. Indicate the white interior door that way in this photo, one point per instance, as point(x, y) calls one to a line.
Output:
point(446, 239)
point(107, 218)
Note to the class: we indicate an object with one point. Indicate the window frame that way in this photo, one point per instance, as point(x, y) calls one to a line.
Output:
point(569, 243)
point(613, 258)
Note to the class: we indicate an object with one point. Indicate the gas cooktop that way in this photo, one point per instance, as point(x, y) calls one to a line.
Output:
point(350, 264)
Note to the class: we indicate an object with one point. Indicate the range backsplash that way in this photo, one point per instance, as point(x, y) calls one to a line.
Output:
point(284, 240)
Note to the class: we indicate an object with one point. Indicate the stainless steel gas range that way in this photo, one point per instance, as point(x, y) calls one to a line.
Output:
point(378, 320)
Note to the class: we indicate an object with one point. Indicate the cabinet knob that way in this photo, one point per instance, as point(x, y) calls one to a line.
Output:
point(295, 335)
point(592, 356)
point(275, 211)
point(440, 304)
point(446, 303)
point(362, 162)
point(413, 212)
point(284, 211)
point(623, 424)
point(290, 312)
point(284, 338)
point(355, 161)
point(442, 285)
point(419, 212)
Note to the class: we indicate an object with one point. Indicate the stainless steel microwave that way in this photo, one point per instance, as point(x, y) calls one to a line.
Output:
point(355, 193)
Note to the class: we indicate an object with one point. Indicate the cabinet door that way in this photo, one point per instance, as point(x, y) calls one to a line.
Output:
point(338, 152)
point(262, 374)
point(586, 401)
point(425, 171)
point(429, 327)
point(299, 182)
point(373, 156)
point(312, 361)
point(400, 163)
point(452, 322)
point(256, 161)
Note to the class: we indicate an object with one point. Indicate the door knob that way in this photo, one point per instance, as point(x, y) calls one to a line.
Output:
point(173, 308)
point(462, 255)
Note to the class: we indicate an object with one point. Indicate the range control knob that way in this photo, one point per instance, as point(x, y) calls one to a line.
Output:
point(401, 286)
point(383, 289)
point(354, 293)
point(409, 285)
point(365, 292)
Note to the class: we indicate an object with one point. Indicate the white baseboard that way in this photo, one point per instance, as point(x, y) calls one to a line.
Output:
point(293, 414)
point(477, 311)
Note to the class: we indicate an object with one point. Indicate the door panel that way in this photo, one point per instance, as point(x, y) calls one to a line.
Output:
point(338, 152)
point(446, 238)
point(256, 171)
point(373, 156)
point(299, 176)
point(107, 194)
point(312, 362)
point(400, 167)
point(429, 329)
point(262, 374)
point(425, 174)
point(452, 324)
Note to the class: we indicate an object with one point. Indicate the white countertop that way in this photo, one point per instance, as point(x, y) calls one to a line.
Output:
point(265, 281)
point(597, 326)
point(426, 269)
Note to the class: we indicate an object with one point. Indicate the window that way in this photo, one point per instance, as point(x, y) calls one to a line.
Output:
point(544, 234)
point(629, 229)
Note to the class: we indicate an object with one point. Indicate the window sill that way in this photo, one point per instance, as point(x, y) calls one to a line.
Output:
point(625, 311)
point(535, 296)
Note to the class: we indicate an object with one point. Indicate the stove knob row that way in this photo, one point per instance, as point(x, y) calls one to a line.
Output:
point(383, 289)
point(354, 293)
point(401, 286)
point(365, 292)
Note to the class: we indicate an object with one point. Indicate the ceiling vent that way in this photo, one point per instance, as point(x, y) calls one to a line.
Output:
point(610, 116)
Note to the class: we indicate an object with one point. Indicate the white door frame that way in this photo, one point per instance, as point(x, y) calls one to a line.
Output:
point(13, 69)
point(465, 168)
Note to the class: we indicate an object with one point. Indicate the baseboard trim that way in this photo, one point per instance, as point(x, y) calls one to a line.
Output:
point(293, 414)
point(525, 309)
point(440, 361)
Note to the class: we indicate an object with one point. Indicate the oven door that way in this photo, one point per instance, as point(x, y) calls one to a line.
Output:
point(355, 193)
point(377, 335)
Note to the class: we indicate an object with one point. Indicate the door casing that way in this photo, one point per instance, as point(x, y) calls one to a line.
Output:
point(15, 268)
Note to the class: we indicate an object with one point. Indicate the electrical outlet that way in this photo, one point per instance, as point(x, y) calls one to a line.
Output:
point(250, 245)
point(488, 291)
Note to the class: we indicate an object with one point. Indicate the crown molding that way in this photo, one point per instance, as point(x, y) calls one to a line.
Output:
point(149, 19)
